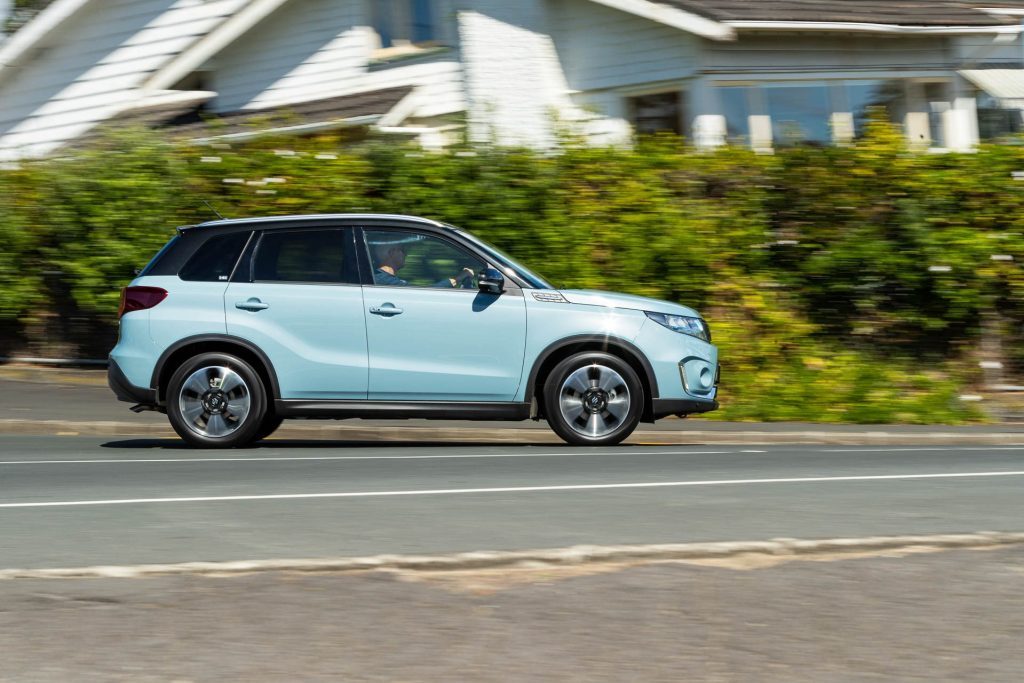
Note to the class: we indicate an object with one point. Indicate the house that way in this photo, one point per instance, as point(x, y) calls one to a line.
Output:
point(763, 74)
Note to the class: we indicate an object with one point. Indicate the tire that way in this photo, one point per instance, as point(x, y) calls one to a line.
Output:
point(216, 400)
point(593, 399)
point(269, 425)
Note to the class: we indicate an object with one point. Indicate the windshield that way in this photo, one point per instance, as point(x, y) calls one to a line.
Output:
point(506, 262)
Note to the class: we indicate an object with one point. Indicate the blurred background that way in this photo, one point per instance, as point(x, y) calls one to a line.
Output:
point(836, 186)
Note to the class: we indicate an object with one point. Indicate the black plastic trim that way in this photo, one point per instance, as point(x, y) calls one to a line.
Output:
point(402, 410)
point(606, 342)
point(663, 407)
point(275, 388)
point(124, 389)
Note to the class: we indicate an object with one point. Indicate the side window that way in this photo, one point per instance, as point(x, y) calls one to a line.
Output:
point(215, 259)
point(323, 255)
point(409, 259)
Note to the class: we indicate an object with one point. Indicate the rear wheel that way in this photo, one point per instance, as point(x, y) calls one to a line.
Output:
point(593, 399)
point(216, 400)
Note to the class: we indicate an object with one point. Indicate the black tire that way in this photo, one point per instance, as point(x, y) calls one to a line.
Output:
point(269, 425)
point(609, 394)
point(205, 400)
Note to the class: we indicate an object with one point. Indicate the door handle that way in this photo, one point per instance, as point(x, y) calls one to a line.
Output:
point(252, 304)
point(386, 310)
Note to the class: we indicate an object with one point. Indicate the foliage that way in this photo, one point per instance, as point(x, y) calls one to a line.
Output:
point(841, 284)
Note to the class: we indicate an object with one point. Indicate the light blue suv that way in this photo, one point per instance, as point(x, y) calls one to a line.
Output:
point(236, 325)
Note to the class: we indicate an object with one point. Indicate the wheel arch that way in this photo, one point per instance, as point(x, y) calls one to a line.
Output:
point(183, 349)
point(558, 351)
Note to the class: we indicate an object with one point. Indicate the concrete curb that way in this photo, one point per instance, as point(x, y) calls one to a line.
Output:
point(573, 556)
point(528, 435)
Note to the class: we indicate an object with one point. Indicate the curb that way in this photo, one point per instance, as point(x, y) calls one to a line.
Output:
point(512, 435)
point(573, 556)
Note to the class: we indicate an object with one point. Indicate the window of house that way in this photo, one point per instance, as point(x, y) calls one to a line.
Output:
point(863, 96)
point(737, 104)
point(658, 113)
point(405, 22)
point(800, 113)
point(993, 120)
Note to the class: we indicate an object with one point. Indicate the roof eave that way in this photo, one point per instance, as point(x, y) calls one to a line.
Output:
point(674, 17)
point(15, 47)
point(865, 27)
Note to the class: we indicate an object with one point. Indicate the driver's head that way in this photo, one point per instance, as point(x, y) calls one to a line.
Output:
point(390, 254)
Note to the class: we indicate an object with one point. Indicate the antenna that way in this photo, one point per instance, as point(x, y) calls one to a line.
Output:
point(210, 206)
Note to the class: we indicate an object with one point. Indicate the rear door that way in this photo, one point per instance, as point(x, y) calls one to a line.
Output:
point(299, 300)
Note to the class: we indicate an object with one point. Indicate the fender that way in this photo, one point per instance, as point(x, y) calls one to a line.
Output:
point(606, 342)
point(275, 389)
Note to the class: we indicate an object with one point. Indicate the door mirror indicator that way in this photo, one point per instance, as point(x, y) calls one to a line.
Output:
point(491, 281)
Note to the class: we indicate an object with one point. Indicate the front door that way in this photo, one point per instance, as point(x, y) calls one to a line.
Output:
point(432, 335)
point(303, 306)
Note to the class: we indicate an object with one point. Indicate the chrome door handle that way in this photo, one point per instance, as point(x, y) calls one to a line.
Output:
point(252, 304)
point(386, 310)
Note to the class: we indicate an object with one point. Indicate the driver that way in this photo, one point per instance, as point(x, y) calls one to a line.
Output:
point(390, 258)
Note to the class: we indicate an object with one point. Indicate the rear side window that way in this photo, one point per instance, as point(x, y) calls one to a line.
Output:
point(323, 255)
point(215, 259)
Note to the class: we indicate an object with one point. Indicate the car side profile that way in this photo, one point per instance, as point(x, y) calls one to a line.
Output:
point(236, 325)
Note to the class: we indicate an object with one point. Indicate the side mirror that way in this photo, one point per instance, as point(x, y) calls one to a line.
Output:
point(491, 281)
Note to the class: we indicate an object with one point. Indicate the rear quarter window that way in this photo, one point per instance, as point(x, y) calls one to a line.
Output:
point(215, 259)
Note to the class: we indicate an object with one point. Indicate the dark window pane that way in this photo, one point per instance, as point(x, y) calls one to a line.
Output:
point(866, 95)
point(736, 109)
point(799, 113)
point(658, 113)
point(215, 259)
point(305, 256)
point(994, 121)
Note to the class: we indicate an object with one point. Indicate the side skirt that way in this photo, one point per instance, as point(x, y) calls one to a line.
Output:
point(401, 410)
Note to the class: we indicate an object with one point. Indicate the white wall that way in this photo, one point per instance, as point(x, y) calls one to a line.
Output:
point(89, 68)
point(316, 49)
point(752, 53)
point(514, 82)
point(603, 48)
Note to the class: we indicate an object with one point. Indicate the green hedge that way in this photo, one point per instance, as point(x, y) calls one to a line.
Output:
point(842, 284)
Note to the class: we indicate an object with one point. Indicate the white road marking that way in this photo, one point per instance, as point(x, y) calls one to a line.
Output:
point(923, 448)
point(565, 454)
point(511, 489)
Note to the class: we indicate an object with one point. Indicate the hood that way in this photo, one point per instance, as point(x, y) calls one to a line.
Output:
point(615, 300)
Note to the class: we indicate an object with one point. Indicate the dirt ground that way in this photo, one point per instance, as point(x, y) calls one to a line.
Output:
point(951, 615)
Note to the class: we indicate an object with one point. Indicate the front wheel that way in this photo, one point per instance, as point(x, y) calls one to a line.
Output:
point(593, 399)
point(216, 400)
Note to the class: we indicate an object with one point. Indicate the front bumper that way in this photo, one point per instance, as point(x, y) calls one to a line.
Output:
point(663, 407)
point(124, 389)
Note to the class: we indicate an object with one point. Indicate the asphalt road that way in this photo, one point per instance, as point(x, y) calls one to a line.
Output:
point(80, 501)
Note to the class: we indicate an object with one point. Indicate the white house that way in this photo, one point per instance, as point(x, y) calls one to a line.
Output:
point(763, 73)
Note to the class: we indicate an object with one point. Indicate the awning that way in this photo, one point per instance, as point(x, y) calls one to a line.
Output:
point(1002, 84)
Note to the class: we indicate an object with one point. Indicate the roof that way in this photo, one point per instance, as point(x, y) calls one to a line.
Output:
point(189, 117)
point(313, 218)
point(933, 13)
point(1003, 84)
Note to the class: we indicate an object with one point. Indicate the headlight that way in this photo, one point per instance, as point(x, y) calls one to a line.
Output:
point(695, 327)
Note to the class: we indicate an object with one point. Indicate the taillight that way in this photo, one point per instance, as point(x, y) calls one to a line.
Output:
point(140, 298)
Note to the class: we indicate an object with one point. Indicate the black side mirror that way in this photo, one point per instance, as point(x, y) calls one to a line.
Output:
point(491, 281)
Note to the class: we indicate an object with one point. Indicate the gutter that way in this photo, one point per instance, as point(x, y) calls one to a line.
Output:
point(336, 124)
point(866, 27)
